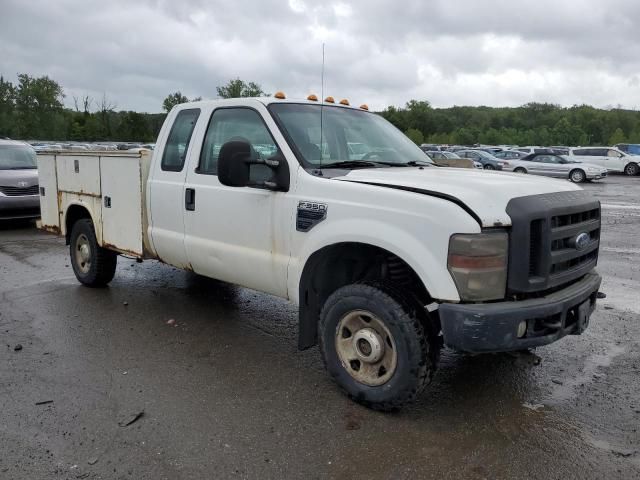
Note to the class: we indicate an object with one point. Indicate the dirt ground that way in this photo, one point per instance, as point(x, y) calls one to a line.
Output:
point(224, 393)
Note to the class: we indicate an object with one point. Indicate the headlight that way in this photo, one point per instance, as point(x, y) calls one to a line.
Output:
point(478, 264)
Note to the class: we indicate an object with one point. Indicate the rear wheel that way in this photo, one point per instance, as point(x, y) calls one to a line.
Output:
point(577, 176)
point(488, 167)
point(375, 346)
point(93, 265)
point(519, 170)
point(631, 169)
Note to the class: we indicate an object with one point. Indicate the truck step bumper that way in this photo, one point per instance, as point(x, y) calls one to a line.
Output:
point(493, 327)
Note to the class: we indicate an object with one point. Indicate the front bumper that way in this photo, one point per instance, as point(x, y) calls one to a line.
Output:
point(493, 327)
point(26, 206)
point(595, 175)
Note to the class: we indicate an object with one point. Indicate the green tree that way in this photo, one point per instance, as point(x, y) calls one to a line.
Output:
point(415, 136)
point(37, 102)
point(617, 137)
point(239, 88)
point(172, 100)
point(7, 107)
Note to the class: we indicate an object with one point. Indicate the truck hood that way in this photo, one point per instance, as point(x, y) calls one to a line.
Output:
point(483, 192)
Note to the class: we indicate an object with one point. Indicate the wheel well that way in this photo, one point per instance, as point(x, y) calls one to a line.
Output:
point(74, 213)
point(342, 264)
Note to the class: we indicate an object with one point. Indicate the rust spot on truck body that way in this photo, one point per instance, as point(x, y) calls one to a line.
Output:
point(115, 248)
point(51, 228)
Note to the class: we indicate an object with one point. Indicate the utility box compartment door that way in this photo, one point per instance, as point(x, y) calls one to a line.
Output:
point(48, 182)
point(79, 174)
point(122, 222)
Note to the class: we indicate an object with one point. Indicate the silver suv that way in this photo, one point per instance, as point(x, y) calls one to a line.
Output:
point(19, 195)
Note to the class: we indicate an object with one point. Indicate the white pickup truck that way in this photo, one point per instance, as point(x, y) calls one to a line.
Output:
point(388, 256)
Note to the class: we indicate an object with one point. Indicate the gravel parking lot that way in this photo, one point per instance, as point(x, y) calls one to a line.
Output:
point(165, 375)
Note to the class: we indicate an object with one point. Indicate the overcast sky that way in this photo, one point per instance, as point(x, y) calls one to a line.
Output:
point(449, 52)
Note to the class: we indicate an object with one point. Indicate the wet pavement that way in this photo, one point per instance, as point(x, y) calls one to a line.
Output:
point(222, 392)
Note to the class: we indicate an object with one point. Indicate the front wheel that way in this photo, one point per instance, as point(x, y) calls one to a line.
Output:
point(520, 170)
point(577, 176)
point(631, 169)
point(375, 347)
point(93, 265)
point(489, 167)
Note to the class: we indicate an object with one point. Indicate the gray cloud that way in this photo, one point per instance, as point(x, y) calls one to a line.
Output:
point(494, 52)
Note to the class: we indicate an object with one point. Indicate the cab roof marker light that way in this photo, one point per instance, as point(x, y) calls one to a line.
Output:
point(344, 101)
point(364, 106)
point(312, 98)
point(279, 95)
point(329, 100)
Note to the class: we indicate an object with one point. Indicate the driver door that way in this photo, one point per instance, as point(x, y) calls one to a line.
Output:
point(232, 233)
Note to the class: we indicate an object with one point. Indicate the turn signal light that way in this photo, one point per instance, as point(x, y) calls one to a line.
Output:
point(279, 95)
point(329, 100)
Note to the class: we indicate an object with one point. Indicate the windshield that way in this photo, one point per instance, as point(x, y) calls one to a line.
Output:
point(353, 136)
point(17, 157)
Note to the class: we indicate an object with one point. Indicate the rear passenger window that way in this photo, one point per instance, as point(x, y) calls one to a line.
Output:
point(175, 151)
point(581, 152)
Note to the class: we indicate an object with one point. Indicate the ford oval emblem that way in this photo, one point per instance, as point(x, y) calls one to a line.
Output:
point(582, 240)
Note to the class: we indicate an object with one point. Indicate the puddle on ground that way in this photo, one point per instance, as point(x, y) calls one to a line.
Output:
point(567, 390)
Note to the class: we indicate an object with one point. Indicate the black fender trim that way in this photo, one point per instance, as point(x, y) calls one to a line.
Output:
point(430, 193)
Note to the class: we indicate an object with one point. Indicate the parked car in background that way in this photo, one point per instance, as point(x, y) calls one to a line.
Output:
point(430, 147)
point(19, 195)
point(488, 161)
point(510, 154)
point(536, 149)
point(629, 148)
point(449, 159)
point(558, 166)
point(612, 159)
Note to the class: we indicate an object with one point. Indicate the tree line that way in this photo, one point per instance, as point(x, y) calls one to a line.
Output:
point(33, 108)
point(530, 124)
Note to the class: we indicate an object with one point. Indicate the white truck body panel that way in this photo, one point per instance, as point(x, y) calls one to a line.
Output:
point(48, 180)
point(85, 179)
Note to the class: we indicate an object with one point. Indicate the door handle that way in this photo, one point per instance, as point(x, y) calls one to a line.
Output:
point(190, 199)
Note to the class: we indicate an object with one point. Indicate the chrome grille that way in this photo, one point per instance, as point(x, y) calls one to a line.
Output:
point(19, 191)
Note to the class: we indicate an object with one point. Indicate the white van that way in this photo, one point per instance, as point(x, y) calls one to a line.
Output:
point(612, 159)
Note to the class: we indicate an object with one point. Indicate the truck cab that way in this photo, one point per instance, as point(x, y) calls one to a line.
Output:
point(387, 256)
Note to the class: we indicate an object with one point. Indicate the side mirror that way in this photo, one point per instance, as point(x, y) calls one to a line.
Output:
point(234, 164)
point(234, 167)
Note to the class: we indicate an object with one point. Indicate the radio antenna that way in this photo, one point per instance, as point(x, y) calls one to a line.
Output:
point(321, 106)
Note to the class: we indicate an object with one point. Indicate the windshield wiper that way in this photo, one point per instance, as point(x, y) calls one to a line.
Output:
point(351, 164)
point(419, 163)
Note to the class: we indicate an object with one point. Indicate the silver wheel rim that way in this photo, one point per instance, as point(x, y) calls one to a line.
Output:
point(520, 170)
point(366, 348)
point(576, 177)
point(83, 253)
